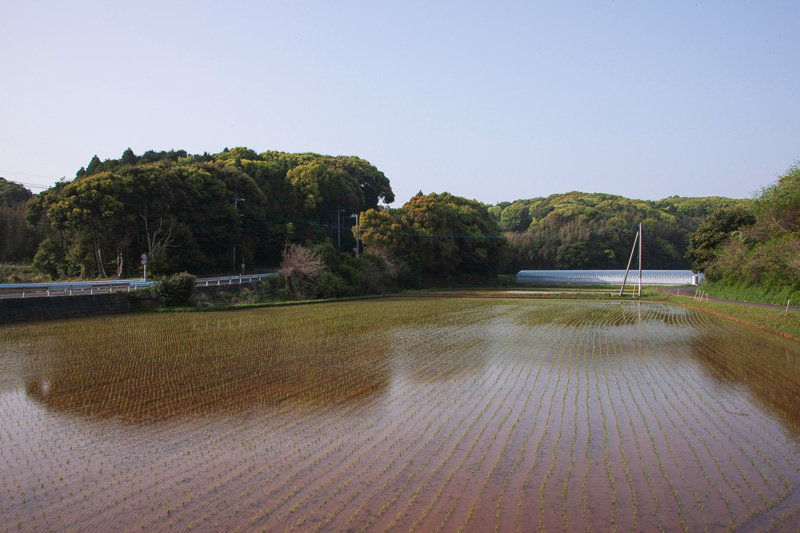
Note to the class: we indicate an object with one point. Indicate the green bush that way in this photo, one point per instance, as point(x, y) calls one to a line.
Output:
point(175, 290)
point(274, 290)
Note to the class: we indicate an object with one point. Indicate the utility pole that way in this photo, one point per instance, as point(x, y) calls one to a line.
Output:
point(630, 260)
point(358, 236)
point(640, 259)
point(236, 201)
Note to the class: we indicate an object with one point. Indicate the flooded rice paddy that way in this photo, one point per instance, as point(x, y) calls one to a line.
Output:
point(405, 414)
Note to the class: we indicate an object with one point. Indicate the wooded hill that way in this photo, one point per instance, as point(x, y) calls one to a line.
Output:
point(579, 230)
point(18, 239)
point(758, 246)
point(190, 212)
point(205, 213)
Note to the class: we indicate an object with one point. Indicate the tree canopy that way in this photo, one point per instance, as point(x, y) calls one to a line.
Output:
point(18, 240)
point(579, 230)
point(715, 230)
point(13, 194)
point(190, 212)
point(764, 250)
point(439, 238)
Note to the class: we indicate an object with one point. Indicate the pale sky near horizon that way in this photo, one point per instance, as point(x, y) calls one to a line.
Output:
point(492, 101)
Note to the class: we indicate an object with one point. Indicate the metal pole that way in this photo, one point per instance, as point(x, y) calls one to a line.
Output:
point(338, 231)
point(236, 201)
point(640, 259)
point(236, 209)
point(629, 264)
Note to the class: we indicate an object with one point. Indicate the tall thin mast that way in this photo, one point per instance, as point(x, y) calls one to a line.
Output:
point(640, 259)
point(633, 250)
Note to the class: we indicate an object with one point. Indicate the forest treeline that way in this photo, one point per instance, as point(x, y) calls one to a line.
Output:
point(238, 209)
point(596, 231)
point(200, 213)
point(19, 240)
point(438, 239)
point(218, 213)
point(757, 245)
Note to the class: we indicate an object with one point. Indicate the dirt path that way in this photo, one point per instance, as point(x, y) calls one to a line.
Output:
point(690, 291)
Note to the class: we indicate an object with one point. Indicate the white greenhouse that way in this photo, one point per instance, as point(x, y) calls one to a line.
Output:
point(608, 277)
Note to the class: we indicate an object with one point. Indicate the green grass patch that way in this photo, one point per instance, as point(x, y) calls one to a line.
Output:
point(20, 273)
point(774, 320)
point(750, 293)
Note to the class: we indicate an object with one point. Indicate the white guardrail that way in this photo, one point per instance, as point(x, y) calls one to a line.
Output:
point(74, 288)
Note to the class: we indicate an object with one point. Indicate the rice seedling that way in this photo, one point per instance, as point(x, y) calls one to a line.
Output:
point(404, 413)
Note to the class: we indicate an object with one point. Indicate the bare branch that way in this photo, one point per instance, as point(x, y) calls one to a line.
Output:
point(300, 262)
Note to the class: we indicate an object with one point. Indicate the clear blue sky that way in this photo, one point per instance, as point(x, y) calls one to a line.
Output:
point(493, 101)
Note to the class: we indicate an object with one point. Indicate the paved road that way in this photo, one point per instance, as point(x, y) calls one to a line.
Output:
point(689, 293)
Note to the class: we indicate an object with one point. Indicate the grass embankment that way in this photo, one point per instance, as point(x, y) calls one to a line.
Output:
point(776, 320)
point(749, 293)
point(18, 273)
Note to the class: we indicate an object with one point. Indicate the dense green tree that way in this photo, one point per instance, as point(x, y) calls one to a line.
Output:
point(441, 238)
point(596, 231)
point(13, 194)
point(765, 253)
point(128, 158)
point(92, 208)
point(203, 214)
point(18, 239)
point(94, 165)
point(715, 230)
point(778, 206)
point(515, 217)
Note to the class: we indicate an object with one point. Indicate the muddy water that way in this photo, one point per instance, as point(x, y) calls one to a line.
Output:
point(401, 414)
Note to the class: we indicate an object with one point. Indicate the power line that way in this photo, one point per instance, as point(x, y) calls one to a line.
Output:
point(36, 185)
point(28, 185)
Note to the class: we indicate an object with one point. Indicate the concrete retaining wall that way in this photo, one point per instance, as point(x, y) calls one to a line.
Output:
point(37, 308)
point(18, 309)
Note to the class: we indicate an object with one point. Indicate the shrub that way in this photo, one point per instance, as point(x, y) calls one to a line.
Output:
point(300, 266)
point(175, 290)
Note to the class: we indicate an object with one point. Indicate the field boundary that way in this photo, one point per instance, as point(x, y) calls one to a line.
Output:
point(735, 319)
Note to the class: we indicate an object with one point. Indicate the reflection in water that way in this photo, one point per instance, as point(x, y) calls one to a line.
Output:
point(426, 413)
point(770, 371)
point(595, 312)
point(204, 363)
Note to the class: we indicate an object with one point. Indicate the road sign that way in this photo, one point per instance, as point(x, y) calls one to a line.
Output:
point(144, 261)
point(144, 257)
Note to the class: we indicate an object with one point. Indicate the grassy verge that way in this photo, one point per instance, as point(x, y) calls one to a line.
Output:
point(750, 293)
point(769, 319)
point(19, 273)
